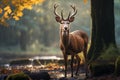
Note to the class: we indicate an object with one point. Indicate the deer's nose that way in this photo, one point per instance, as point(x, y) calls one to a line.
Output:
point(65, 28)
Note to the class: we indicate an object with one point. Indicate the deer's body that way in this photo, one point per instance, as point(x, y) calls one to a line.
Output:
point(71, 43)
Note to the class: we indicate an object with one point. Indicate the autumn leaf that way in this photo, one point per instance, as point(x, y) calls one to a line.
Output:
point(5, 15)
point(19, 14)
point(39, 1)
point(1, 10)
point(29, 7)
point(16, 18)
point(6, 8)
point(21, 8)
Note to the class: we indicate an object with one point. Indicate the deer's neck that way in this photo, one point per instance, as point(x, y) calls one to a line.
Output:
point(64, 38)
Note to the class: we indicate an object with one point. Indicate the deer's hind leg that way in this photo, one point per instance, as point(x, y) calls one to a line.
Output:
point(78, 63)
point(86, 65)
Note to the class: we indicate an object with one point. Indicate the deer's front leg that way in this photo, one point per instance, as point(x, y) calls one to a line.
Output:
point(72, 58)
point(65, 62)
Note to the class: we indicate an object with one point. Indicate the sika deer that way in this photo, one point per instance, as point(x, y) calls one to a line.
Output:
point(71, 43)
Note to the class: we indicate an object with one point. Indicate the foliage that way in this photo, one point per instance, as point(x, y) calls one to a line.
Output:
point(14, 8)
point(117, 66)
point(109, 54)
point(18, 76)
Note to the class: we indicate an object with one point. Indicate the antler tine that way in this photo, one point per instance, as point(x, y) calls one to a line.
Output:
point(55, 6)
point(73, 7)
point(75, 11)
point(62, 15)
point(69, 15)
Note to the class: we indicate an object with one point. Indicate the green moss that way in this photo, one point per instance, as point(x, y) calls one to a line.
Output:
point(117, 66)
point(18, 76)
point(111, 53)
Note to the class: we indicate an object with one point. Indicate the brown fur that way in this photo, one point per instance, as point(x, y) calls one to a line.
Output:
point(77, 42)
point(73, 44)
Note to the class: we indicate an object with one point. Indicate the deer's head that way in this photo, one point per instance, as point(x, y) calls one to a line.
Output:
point(64, 23)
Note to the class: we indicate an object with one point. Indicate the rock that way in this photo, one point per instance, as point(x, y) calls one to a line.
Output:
point(40, 76)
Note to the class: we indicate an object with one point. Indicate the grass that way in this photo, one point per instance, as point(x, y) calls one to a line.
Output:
point(110, 54)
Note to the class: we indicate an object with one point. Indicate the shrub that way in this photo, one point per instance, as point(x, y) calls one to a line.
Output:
point(109, 54)
point(18, 76)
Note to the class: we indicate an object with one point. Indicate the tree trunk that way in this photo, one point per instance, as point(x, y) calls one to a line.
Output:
point(103, 27)
point(23, 40)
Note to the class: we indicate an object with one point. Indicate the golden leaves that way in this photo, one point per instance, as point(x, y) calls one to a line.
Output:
point(16, 17)
point(19, 14)
point(8, 11)
point(6, 8)
point(14, 8)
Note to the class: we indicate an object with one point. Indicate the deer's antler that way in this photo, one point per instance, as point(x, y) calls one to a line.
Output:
point(75, 11)
point(55, 6)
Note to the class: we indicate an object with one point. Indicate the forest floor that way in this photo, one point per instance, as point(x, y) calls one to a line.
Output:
point(59, 74)
point(106, 77)
point(81, 76)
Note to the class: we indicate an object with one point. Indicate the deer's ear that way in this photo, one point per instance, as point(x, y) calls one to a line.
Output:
point(71, 19)
point(58, 19)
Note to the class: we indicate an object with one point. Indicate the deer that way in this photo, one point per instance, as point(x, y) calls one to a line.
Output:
point(71, 43)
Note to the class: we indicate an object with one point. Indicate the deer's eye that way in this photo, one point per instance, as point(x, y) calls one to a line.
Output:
point(62, 22)
point(68, 22)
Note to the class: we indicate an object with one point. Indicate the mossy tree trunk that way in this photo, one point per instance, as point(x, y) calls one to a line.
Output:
point(103, 27)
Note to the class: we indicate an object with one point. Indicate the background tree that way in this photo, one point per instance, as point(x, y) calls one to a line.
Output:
point(103, 27)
